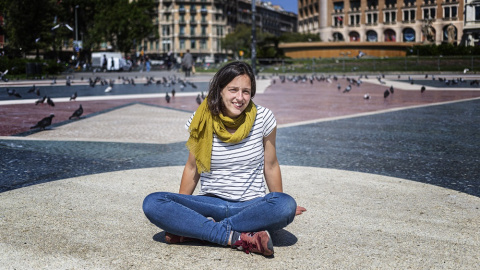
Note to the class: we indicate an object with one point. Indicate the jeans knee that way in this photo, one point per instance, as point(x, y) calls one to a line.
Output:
point(287, 204)
point(152, 201)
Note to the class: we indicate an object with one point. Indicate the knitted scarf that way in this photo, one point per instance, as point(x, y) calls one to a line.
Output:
point(204, 124)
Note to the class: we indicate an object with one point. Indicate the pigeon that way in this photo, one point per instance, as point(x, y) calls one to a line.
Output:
point(50, 102)
point(199, 99)
point(108, 89)
point(41, 100)
point(339, 87)
point(366, 96)
point(391, 89)
point(203, 95)
point(16, 94)
point(173, 92)
point(10, 92)
point(386, 93)
point(422, 89)
point(167, 97)
point(45, 122)
point(465, 70)
point(73, 97)
point(54, 81)
point(31, 90)
point(37, 92)
point(77, 113)
point(68, 82)
point(347, 89)
point(132, 82)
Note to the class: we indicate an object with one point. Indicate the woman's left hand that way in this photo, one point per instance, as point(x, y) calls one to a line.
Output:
point(300, 210)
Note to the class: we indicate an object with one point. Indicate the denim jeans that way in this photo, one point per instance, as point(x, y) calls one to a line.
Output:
point(186, 215)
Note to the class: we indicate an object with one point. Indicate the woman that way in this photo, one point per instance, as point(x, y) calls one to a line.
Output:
point(232, 147)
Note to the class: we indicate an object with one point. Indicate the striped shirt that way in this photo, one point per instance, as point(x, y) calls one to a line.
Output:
point(236, 170)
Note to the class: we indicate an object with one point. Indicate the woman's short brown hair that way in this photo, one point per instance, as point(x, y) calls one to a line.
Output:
point(222, 78)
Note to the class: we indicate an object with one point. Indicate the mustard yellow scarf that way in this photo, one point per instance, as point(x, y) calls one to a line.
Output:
point(204, 124)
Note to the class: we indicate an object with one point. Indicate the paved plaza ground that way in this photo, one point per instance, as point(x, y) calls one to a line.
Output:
point(388, 183)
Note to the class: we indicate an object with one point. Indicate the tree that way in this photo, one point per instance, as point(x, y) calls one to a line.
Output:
point(28, 23)
point(120, 23)
point(241, 39)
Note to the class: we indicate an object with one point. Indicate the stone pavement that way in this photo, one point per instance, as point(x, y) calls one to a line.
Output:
point(388, 183)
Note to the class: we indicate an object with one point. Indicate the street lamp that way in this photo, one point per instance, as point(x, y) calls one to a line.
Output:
point(76, 25)
point(254, 39)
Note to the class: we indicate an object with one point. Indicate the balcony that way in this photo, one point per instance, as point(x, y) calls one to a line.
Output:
point(204, 22)
point(203, 10)
point(181, 10)
point(193, 22)
point(193, 11)
point(182, 21)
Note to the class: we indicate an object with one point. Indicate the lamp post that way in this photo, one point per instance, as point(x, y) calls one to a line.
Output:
point(254, 38)
point(76, 24)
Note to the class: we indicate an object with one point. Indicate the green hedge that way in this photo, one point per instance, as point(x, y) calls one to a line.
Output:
point(17, 66)
point(443, 49)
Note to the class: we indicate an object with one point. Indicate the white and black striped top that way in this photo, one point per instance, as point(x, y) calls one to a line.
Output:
point(236, 171)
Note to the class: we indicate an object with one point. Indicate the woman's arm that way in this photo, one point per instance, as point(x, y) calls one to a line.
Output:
point(190, 176)
point(272, 173)
point(273, 176)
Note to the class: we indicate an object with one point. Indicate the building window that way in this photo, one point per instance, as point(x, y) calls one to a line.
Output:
point(408, 35)
point(390, 16)
point(429, 13)
point(166, 30)
point(477, 13)
point(354, 36)
point(355, 5)
point(450, 12)
point(204, 30)
point(338, 6)
point(193, 44)
point(337, 36)
point(192, 30)
point(182, 43)
point(409, 15)
point(354, 19)
point(337, 21)
point(372, 36)
point(390, 35)
point(182, 30)
point(203, 44)
point(372, 18)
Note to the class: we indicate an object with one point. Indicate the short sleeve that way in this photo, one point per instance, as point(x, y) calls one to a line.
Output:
point(269, 122)
point(187, 125)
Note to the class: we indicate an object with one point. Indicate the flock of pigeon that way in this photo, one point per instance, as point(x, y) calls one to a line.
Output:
point(358, 81)
point(93, 82)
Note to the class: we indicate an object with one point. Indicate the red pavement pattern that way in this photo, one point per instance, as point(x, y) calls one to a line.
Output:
point(290, 102)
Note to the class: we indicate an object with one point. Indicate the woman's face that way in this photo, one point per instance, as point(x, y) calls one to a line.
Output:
point(236, 96)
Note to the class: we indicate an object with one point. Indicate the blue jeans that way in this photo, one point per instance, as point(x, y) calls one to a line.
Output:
point(186, 215)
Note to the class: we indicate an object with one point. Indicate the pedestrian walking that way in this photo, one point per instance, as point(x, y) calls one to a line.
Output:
point(187, 63)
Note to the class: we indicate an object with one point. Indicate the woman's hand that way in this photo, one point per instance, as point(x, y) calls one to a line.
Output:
point(300, 210)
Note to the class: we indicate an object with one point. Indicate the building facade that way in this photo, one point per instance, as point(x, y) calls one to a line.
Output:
point(427, 21)
point(199, 26)
point(270, 18)
point(471, 30)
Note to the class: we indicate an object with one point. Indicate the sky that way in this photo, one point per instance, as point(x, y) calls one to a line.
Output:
point(288, 5)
